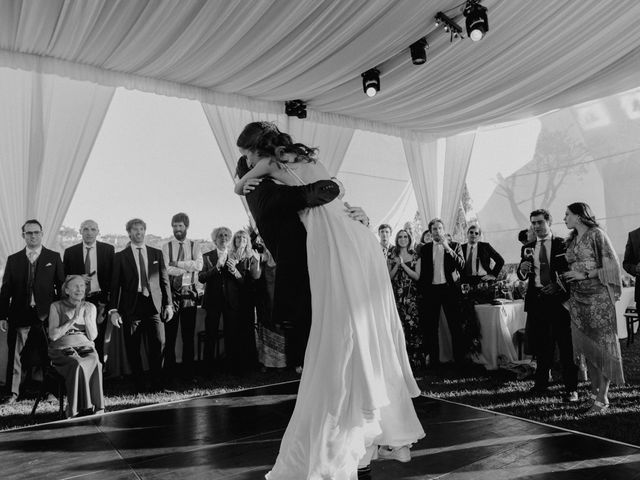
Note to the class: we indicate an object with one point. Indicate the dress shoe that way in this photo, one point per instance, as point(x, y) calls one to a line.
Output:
point(401, 454)
point(537, 390)
point(10, 400)
point(570, 397)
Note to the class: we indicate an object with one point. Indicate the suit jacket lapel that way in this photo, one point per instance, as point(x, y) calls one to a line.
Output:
point(132, 262)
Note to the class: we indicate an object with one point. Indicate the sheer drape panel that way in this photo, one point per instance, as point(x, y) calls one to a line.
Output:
point(333, 141)
point(456, 164)
point(48, 126)
point(397, 215)
point(423, 168)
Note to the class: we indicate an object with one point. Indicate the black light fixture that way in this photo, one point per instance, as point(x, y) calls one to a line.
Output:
point(448, 25)
point(419, 51)
point(371, 82)
point(295, 108)
point(476, 20)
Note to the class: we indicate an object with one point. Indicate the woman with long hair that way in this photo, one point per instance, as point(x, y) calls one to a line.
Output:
point(595, 287)
point(241, 270)
point(356, 386)
point(402, 269)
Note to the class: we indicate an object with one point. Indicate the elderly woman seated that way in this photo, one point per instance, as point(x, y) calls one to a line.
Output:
point(72, 329)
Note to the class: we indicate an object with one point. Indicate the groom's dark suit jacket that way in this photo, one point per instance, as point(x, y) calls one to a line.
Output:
point(74, 265)
point(275, 210)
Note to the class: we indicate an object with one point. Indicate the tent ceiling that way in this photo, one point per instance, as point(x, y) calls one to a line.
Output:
point(257, 54)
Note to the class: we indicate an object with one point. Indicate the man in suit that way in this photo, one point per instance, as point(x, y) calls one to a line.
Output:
point(32, 280)
point(141, 300)
point(212, 276)
point(94, 259)
point(275, 210)
point(548, 321)
point(384, 233)
point(478, 257)
point(439, 270)
point(631, 262)
point(184, 261)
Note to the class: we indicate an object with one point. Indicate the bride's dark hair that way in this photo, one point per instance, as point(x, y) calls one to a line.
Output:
point(264, 138)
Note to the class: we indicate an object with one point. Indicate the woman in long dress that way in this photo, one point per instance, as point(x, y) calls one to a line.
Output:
point(356, 386)
point(72, 330)
point(402, 269)
point(595, 287)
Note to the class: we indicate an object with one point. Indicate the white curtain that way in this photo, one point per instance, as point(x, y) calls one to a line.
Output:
point(400, 212)
point(333, 141)
point(256, 55)
point(422, 160)
point(48, 125)
point(227, 123)
point(456, 164)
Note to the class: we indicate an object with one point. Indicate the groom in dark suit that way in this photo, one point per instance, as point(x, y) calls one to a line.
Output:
point(141, 300)
point(32, 281)
point(548, 321)
point(95, 259)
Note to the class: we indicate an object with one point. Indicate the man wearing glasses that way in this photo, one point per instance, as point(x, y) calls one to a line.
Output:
point(32, 281)
point(478, 266)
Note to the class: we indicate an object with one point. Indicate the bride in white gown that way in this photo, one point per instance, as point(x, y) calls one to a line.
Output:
point(356, 386)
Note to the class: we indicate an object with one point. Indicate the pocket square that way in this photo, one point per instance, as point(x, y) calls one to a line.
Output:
point(155, 261)
point(48, 265)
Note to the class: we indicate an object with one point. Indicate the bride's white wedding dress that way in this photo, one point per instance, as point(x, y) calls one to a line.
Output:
point(357, 384)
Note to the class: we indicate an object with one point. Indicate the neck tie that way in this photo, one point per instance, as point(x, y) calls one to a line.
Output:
point(31, 278)
point(180, 252)
point(468, 268)
point(144, 281)
point(545, 272)
point(87, 262)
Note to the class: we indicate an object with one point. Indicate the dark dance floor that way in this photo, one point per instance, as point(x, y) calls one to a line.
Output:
point(236, 436)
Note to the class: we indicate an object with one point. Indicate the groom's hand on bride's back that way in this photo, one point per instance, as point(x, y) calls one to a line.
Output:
point(250, 185)
point(357, 214)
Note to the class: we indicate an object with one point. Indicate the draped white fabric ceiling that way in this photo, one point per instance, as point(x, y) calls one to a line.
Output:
point(257, 54)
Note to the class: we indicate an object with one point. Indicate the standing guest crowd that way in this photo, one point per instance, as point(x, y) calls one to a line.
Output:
point(572, 285)
point(56, 310)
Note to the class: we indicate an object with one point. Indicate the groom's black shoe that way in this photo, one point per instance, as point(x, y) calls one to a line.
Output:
point(364, 473)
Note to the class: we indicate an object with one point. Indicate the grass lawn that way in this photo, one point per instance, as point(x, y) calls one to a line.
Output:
point(497, 391)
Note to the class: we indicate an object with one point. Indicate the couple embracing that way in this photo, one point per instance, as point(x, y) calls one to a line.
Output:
point(354, 400)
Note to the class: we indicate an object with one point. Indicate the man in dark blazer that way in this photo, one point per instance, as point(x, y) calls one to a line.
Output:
point(141, 301)
point(548, 321)
point(32, 280)
point(275, 210)
point(631, 262)
point(439, 270)
point(94, 259)
point(478, 257)
point(212, 276)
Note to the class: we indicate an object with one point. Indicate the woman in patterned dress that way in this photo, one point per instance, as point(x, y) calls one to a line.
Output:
point(402, 265)
point(595, 287)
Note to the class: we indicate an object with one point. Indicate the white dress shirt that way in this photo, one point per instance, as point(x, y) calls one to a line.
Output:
point(190, 266)
point(93, 258)
point(136, 254)
point(439, 277)
point(536, 257)
point(476, 267)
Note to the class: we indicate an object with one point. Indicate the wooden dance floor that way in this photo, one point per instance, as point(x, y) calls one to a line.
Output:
point(236, 436)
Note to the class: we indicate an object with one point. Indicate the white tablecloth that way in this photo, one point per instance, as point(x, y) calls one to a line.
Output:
point(498, 323)
point(626, 298)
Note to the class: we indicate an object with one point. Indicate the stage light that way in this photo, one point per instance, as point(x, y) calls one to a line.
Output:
point(371, 82)
point(448, 25)
point(419, 51)
point(295, 108)
point(476, 20)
